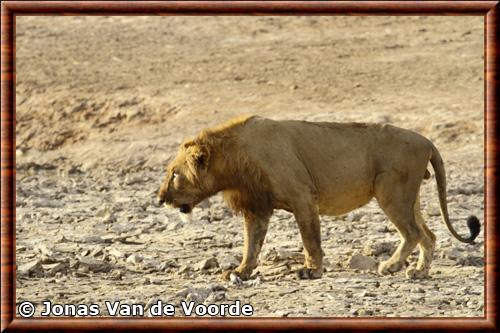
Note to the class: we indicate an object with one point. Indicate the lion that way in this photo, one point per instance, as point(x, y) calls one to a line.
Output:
point(312, 169)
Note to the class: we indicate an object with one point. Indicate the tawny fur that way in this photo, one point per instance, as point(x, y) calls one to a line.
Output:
point(311, 169)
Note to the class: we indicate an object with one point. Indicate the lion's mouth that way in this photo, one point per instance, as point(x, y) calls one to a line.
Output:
point(185, 209)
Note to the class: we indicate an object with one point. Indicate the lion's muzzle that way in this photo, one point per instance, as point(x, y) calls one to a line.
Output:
point(160, 200)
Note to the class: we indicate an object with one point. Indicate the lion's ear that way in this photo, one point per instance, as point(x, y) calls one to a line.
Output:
point(188, 143)
point(198, 157)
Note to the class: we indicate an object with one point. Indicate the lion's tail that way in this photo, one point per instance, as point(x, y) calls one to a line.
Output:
point(472, 221)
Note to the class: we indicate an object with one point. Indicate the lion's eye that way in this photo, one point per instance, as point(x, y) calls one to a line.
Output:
point(174, 175)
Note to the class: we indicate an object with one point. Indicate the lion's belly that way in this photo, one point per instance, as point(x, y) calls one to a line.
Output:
point(342, 205)
point(344, 192)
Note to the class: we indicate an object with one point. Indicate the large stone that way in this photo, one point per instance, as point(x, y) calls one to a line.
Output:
point(93, 265)
point(52, 269)
point(359, 261)
point(206, 264)
point(32, 268)
point(228, 261)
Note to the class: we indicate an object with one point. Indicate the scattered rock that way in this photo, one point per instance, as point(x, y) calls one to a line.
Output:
point(86, 264)
point(184, 269)
point(43, 249)
point(471, 261)
point(174, 226)
point(93, 239)
point(96, 251)
point(116, 275)
point(368, 294)
point(235, 280)
point(281, 313)
point(433, 211)
point(217, 287)
point(198, 295)
point(30, 269)
point(418, 290)
point(132, 180)
point(117, 253)
point(364, 312)
point(359, 261)
point(278, 254)
point(355, 216)
point(206, 264)
point(61, 239)
point(171, 263)
point(281, 270)
point(105, 213)
point(134, 259)
point(52, 269)
point(376, 249)
point(228, 261)
point(215, 297)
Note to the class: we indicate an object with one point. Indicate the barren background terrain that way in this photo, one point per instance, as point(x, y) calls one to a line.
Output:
point(103, 102)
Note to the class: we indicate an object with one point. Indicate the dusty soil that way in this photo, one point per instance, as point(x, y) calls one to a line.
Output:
point(103, 102)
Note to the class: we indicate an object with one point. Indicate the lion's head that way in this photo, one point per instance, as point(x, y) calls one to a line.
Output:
point(217, 160)
point(188, 178)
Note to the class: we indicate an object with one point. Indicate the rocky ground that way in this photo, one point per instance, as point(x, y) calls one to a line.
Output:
point(103, 102)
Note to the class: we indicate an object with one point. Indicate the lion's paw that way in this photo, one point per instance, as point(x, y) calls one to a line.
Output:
point(387, 267)
point(233, 275)
point(309, 273)
point(414, 273)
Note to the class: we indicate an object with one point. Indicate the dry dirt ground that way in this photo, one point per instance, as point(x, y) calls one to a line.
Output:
point(103, 102)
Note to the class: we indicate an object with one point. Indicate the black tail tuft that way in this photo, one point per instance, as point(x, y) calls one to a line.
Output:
point(474, 227)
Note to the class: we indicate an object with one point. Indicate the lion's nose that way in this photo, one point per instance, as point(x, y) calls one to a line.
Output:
point(159, 200)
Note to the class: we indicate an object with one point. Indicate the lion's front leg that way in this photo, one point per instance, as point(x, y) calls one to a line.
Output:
point(309, 225)
point(254, 234)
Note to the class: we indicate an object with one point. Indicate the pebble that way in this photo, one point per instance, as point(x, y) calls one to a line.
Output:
point(235, 280)
point(175, 226)
point(116, 275)
point(368, 294)
point(134, 259)
point(197, 295)
point(417, 290)
point(355, 216)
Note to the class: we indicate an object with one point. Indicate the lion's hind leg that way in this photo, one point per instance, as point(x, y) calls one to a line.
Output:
point(397, 200)
point(426, 246)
